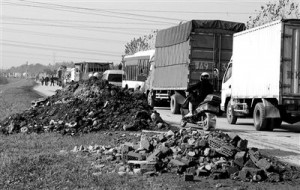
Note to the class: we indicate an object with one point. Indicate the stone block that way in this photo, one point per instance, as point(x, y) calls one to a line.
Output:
point(242, 145)
point(239, 158)
point(243, 175)
point(253, 171)
point(264, 164)
point(133, 156)
point(273, 177)
point(177, 162)
point(153, 156)
point(188, 177)
point(250, 164)
point(144, 143)
point(232, 169)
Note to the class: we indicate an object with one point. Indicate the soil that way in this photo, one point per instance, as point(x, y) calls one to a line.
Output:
point(21, 92)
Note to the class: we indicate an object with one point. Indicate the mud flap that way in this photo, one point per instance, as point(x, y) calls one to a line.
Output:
point(271, 110)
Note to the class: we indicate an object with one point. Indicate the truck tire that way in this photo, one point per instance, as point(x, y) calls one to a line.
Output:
point(229, 114)
point(175, 107)
point(151, 101)
point(274, 123)
point(259, 117)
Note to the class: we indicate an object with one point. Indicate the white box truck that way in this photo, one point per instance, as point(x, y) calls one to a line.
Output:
point(262, 78)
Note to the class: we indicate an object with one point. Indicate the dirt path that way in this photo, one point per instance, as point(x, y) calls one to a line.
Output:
point(46, 90)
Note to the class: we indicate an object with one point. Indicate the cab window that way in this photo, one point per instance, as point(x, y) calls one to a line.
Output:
point(228, 73)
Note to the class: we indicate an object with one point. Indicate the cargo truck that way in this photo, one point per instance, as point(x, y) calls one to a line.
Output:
point(185, 51)
point(262, 78)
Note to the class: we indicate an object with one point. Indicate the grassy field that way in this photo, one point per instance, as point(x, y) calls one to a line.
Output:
point(44, 161)
point(3, 80)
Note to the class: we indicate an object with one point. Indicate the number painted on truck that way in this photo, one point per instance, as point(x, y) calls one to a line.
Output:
point(201, 65)
point(293, 75)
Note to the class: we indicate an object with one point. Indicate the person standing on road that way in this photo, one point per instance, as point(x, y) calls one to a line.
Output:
point(52, 81)
point(42, 81)
point(46, 80)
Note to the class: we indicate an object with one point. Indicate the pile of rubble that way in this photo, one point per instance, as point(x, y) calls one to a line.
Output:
point(84, 107)
point(191, 153)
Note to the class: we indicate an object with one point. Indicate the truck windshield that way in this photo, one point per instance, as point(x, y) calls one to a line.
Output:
point(115, 77)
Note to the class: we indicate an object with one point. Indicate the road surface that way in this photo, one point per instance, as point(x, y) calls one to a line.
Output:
point(283, 143)
point(45, 91)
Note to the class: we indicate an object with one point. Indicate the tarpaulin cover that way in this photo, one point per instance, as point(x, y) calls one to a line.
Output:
point(181, 33)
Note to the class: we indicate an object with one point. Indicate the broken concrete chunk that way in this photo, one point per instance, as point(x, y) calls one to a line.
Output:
point(153, 155)
point(242, 145)
point(133, 156)
point(144, 143)
point(239, 158)
point(170, 133)
point(177, 163)
point(188, 177)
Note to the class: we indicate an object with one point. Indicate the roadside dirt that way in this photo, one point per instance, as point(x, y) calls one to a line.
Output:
point(164, 180)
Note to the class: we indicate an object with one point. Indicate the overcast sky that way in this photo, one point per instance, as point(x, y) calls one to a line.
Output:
point(44, 31)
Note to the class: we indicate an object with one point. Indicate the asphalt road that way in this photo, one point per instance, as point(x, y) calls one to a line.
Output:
point(283, 143)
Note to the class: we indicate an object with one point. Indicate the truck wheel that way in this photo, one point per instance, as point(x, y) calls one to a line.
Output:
point(259, 117)
point(274, 123)
point(229, 114)
point(175, 107)
point(150, 100)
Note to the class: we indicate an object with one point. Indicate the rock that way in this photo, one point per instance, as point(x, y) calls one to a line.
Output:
point(121, 173)
point(24, 130)
point(206, 151)
point(144, 143)
point(137, 171)
point(239, 158)
point(122, 169)
point(170, 133)
point(97, 173)
point(160, 125)
point(188, 177)
point(219, 185)
point(208, 167)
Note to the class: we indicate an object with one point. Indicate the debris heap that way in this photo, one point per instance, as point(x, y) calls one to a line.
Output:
point(84, 107)
point(191, 153)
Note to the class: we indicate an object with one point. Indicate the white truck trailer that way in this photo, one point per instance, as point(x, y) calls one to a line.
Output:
point(262, 78)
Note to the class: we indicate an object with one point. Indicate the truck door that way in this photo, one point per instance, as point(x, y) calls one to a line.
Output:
point(290, 84)
point(226, 86)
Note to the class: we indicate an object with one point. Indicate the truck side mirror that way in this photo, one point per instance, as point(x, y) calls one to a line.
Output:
point(216, 73)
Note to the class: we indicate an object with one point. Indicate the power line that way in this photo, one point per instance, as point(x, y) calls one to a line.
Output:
point(61, 35)
point(104, 10)
point(80, 21)
point(58, 7)
point(80, 26)
point(73, 27)
point(42, 55)
point(58, 48)
point(184, 12)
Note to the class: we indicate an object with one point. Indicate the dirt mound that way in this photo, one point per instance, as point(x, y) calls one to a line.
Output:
point(84, 107)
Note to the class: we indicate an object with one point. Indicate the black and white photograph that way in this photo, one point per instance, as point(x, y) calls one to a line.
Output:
point(150, 94)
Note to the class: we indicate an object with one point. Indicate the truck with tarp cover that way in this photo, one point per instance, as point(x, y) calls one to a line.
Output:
point(185, 51)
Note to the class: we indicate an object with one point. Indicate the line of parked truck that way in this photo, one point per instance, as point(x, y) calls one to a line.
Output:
point(256, 71)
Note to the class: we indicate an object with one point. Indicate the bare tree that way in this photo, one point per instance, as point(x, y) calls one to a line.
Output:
point(283, 9)
point(140, 44)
